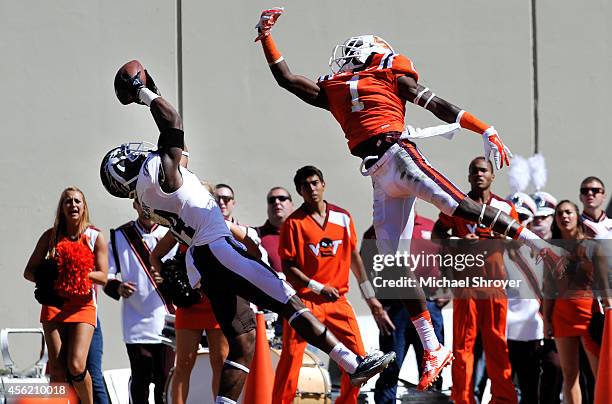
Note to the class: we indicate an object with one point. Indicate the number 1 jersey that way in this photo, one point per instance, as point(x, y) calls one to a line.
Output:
point(367, 103)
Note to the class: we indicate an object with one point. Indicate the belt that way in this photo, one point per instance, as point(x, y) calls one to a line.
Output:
point(376, 145)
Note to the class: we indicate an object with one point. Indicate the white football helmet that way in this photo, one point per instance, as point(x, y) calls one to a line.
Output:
point(525, 206)
point(355, 51)
point(545, 203)
point(120, 168)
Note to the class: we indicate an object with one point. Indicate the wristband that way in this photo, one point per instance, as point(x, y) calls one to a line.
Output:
point(147, 96)
point(367, 289)
point(273, 56)
point(315, 286)
point(470, 122)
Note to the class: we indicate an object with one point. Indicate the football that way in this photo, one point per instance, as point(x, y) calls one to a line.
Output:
point(124, 78)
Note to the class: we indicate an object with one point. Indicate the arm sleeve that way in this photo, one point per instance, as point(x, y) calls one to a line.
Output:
point(112, 285)
point(445, 221)
point(112, 266)
point(402, 66)
point(287, 241)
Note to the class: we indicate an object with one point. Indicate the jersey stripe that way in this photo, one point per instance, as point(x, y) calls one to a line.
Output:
point(142, 251)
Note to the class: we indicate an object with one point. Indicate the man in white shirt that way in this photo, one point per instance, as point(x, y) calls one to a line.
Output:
point(144, 305)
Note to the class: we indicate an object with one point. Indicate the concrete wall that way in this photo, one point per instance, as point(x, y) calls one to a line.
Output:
point(60, 114)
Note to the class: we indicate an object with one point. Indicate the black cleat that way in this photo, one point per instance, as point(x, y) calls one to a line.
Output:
point(374, 363)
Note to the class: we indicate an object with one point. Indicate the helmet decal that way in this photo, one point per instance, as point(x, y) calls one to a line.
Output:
point(355, 51)
point(120, 168)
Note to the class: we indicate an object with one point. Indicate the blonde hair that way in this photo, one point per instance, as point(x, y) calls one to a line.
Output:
point(59, 225)
point(209, 187)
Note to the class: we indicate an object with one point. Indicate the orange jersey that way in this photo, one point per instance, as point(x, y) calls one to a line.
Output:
point(367, 103)
point(322, 253)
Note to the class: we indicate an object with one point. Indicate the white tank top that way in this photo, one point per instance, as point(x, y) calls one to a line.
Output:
point(191, 212)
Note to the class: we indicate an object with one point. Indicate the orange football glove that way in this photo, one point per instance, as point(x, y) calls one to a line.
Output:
point(267, 20)
point(494, 145)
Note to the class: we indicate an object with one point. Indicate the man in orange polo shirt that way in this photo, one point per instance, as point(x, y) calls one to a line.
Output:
point(476, 313)
point(317, 248)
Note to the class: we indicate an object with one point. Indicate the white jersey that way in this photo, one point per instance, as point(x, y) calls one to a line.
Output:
point(191, 211)
point(92, 235)
point(523, 320)
point(596, 228)
point(143, 313)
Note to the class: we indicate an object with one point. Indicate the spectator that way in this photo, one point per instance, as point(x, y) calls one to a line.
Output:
point(593, 196)
point(524, 326)
point(569, 302)
point(144, 306)
point(224, 194)
point(404, 334)
point(317, 248)
point(280, 206)
point(94, 365)
point(67, 260)
point(551, 378)
point(473, 314)
point(544, 215)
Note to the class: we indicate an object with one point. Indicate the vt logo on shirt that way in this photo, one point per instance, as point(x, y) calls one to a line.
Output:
point(326, 247)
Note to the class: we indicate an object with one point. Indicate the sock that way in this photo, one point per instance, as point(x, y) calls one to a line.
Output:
point(345, 358)
point(424, 328)
point(531, 239)
point(224, 400)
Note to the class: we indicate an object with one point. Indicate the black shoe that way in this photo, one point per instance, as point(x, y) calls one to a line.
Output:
point(374, 363)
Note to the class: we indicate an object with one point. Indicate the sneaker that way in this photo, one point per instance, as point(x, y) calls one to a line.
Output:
point(373, 363)
point(433, 363)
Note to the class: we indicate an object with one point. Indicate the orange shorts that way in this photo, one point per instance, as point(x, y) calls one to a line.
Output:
point(200, 316)
point(73, 311)
point(571, 317)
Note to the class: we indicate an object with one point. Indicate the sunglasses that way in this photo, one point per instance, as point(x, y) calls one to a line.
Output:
point(281, 198)
point(224, 198)
point(595, 191)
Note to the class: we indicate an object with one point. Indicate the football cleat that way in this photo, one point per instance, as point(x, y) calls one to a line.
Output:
point(371, 365)
point(433, 363)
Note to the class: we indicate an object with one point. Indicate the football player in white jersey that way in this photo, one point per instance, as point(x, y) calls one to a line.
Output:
point(172, 194)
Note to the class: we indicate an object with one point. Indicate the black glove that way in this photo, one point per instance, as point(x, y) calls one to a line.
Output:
point(176, 283)
point(151, 84)
point(45, 276)
point(126, 87)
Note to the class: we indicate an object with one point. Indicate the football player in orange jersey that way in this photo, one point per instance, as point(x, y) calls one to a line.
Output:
point(366, 93)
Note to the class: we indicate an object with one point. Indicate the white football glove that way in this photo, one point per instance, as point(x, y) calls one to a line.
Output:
point(493, 144)
point(267, 20)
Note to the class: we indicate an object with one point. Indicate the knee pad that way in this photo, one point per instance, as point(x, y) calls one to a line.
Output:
point(76, 378)
point(237, 365)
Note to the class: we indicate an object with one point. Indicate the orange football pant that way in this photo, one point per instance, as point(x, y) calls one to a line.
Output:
point(487, 316)
point(340, 319)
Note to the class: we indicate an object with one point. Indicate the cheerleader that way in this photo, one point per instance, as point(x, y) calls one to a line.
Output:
point(67, 260)
point(569, 302)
